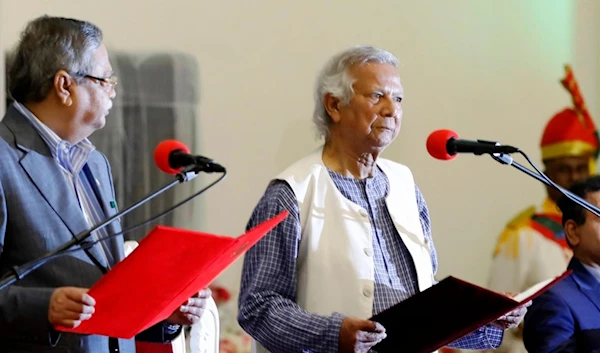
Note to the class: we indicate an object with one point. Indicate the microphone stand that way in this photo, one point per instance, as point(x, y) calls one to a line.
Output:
point(21, 271)
point(506, 159)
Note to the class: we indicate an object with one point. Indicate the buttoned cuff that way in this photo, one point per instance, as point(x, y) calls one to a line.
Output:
point(493, 336)
point(333, 331)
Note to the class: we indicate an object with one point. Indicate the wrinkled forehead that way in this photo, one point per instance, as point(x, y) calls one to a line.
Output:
point(376, 76)
point(101, 62)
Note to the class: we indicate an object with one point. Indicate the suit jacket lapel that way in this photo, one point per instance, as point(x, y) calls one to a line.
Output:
point(114, 227)
point(49, 179)
point(587, 283)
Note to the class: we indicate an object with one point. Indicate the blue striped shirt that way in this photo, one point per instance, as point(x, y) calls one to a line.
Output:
point(267, 308)
point(72, 159)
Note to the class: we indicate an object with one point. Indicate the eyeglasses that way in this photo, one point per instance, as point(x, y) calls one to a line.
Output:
point(112, 81)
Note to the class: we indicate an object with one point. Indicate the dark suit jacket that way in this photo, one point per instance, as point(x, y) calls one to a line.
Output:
point(566, 318)
point(39, 212)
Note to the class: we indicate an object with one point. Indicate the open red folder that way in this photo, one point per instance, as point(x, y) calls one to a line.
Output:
point(446, 312)
point(169, 266)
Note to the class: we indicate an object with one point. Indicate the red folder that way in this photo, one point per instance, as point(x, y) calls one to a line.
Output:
point(446, 312)
point(169, 266)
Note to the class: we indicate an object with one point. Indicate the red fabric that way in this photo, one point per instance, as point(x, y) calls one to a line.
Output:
point(163, 151)
point(567, 126)
point(436, 144)
point(571, 124)
point(169, 266)
point(553, 216)
point(147, 347)
point(548, 233)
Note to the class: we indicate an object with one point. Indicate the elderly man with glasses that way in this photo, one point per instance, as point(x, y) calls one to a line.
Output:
point(54, 185)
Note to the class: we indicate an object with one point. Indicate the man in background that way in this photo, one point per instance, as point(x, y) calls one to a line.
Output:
point(532, 247)
point(55, 185)
point(566, 318)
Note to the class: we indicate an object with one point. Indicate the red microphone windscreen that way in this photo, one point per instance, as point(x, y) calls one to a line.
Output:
point(436, 144)
point(162, 152)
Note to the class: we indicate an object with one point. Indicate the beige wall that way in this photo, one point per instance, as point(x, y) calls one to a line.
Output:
point(486, 69)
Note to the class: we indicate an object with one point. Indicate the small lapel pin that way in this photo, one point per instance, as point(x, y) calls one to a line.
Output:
point(113, 204)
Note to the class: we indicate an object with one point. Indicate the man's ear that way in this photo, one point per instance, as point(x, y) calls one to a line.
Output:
point(62, 85)
point(332, 106)
point(571, 233)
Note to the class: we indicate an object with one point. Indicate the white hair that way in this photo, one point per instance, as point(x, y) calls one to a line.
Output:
point(336, 80)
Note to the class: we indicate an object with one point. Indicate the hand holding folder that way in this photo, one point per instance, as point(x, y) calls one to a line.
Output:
point(446, 312)
point(169, 266)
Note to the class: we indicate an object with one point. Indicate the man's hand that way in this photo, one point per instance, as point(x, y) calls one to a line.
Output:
point(69, 306)
point(190, 312)
point(514, 318)
point(357, 336)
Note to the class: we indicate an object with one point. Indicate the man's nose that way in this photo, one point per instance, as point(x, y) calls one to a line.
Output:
point(389, 108)
point(112, 93)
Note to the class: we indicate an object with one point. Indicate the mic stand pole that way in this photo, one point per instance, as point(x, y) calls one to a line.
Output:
point(506, 159)
point(21, 271)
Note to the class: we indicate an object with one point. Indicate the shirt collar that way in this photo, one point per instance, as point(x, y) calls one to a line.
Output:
point(62, 150)
point(593, 270)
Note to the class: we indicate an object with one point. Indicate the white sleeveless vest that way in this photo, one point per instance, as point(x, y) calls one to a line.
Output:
point(335, 265)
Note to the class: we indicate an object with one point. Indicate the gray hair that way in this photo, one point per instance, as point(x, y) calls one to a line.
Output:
point(47, 45)
point(336, 80)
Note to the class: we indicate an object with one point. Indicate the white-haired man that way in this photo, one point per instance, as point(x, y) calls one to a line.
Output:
point(358, 238)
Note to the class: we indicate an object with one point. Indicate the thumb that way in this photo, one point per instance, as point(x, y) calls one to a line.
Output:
point(367, 325)
point(86, 298)
point(371, 333)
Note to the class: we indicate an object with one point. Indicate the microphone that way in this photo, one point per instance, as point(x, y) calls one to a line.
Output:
point(445, 145)
point(171, 156)
point(19, 272)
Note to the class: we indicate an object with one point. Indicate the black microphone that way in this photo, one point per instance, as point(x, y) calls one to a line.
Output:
point(171, 156)
point(478, 147)
point(445, 144)
point(178, 159)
